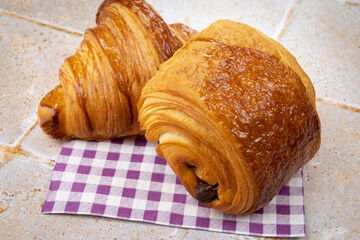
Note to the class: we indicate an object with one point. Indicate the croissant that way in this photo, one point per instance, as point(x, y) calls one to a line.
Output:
point(101, 83)
point(234, 115)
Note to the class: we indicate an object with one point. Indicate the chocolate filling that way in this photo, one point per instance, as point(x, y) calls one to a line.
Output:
point(205, 192)
point(189, 165)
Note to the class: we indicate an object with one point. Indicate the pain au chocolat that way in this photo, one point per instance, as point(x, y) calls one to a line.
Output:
point(234, 115)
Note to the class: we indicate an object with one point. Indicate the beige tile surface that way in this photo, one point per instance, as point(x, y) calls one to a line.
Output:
point(22, 176)
point(78, 15)
point(41, 144)
point(332, 178)
point(31, 56)
point(325, 37)
point(74, 15)
point(264, 15)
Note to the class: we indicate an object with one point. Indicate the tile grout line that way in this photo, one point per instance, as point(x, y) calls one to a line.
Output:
point(340, 105)
point(16, 149)
point(22, 138)
point(10, 151)
point(41, 23)
point(286, 20)
point(352, 3)
point(285, 23)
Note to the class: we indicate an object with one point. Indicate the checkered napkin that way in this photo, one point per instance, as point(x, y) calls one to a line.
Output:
point(125, 179)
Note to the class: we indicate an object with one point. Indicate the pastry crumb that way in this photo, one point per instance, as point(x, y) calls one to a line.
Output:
point(187, 20)
point(4, 206)
point(50, 162)
point(25, 197)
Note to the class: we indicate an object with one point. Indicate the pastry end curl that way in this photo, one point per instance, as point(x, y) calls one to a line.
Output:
point(50, 113)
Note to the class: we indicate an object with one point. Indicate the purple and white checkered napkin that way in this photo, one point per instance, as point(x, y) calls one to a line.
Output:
point(125, 179)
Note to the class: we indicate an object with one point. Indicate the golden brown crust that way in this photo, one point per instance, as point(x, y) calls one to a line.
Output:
point(237, 106)
point(182, 32)
point(101, 83)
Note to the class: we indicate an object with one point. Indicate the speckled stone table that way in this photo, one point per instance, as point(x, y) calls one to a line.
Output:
point(37, 35)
